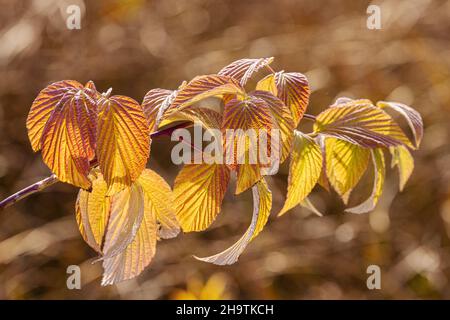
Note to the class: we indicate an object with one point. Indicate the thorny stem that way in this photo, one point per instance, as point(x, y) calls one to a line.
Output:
point(51, 180)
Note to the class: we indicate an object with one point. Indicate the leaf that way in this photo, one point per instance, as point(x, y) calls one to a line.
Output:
point(62, 122)
point(360, 123)
point(402, 158)
point(160, 200)
point(203, 87)
point(137, 255)
point(379, 167)
point(155, 103)
point(199, 191)
point(127, 212)
point(246, 118)
point(283, 119)
point(208, 118)
point(243, 69)
point(262, 203)
point(412, 117)
point(92, 210)
point(304, 170)
point(306, 203)
point(292, 88)
point(123, 142)
point(345, 165)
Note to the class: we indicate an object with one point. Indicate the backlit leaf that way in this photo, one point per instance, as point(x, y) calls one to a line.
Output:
point(160, 200)
point(304, 170)
point(262, 204)
point(203, 87)
point(127, 211)
point(92, 211)
point(402, 158)
point(361, 123)
point(199, 190)
point(283, 119)
point(155, 103)
point(379, 167)
point(243, 69)
point(249, 120)
point(413, 118)
point(345, 165)
point(62, 122)
point(292, 88)
point(123, 142)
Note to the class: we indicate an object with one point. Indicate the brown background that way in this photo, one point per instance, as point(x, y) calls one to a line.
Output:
point(133, 46)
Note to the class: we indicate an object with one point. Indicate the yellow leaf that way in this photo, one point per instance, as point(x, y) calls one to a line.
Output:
point(304, 170)
point(402, 158)
point(345, 165)
point(268, 84)
point(359, 122)
point(262, 204)
point(243, 69)
point(136, 256)
point(160, 201)
point(379, 168)
point(127, 212)
point(92, 211)
point(62, 122)
point(199, 190)
point(283, 118)
point(123, 142)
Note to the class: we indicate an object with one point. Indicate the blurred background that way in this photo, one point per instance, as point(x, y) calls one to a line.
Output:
point(134, 46)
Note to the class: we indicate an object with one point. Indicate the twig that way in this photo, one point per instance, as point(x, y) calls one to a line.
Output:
point(51, 180)
point(309, 117)
point(35, 187)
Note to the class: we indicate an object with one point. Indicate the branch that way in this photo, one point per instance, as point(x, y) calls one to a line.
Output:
point(51, 180)
point(309, 117)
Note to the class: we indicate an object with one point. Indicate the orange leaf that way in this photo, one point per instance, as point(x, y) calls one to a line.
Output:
point(62, 122)
point(202, 87)
point(248, 119)
point(123, 142)
point(292, 88)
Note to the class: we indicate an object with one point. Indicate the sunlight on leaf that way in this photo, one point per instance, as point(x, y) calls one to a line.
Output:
point(292, 88)
point(243, 69)
point(199, 191)
point(345, 165)
point(402, 158)
point(123, 142)
point(379, 169)
point(412, 117)
point(62, 122)
point(262, 204)
point(304, 170)
point(253, 113)
point(359, 122)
